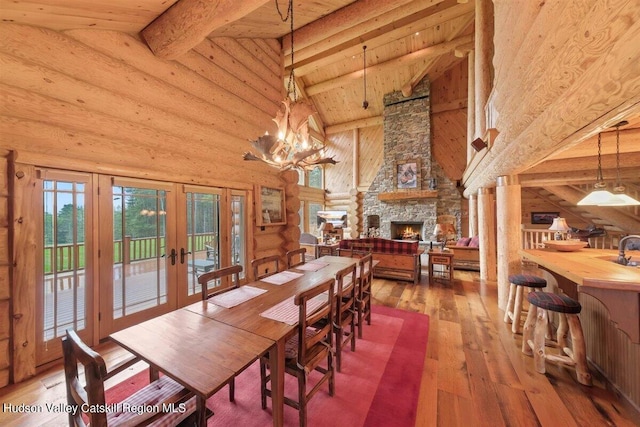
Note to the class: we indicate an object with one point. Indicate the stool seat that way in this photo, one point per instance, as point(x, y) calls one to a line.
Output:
point(559, 303)
point(517, 283)
point(528, 280)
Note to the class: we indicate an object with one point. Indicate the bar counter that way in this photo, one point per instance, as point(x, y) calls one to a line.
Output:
point(610, 298)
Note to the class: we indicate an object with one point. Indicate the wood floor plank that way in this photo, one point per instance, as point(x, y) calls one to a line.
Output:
point(452, 365)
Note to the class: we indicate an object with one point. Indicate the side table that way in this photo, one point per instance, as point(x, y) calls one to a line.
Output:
point(327, 249)
point(444, 259)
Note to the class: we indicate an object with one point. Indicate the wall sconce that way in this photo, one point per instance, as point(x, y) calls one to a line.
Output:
point(478, 144)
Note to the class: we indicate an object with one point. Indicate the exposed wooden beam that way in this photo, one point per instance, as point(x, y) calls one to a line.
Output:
point(356, 124)
point(187, 23)
point(316, 119)
point(356, 76)
point(608, 161)
point(328, 51)
point(575, 177)
point(464, 50)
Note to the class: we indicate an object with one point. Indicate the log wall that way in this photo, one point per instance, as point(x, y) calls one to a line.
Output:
point(99, 101)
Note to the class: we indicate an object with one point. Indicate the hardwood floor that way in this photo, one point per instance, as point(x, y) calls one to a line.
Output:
point(474, 373)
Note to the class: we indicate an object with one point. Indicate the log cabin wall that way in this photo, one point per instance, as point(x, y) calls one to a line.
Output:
point(100, 101)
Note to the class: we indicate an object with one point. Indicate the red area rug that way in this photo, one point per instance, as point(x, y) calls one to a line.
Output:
point(379, 384)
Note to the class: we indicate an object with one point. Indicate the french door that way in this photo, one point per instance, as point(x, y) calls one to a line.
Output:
point(116, 251)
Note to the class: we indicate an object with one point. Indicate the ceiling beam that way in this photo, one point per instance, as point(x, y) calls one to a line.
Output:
point(188, 22)
point(340, 25)
point(575, 177)
point(349, 43)
point(419, 55)
point(590, 163)
point(355, 124)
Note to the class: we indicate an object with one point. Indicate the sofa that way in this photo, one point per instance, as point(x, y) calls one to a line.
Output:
point(466, 253)
point(397, 259)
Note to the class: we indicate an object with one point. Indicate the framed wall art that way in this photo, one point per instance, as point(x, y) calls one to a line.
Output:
point(406, 175)
point(543, 217)
point(270, 206)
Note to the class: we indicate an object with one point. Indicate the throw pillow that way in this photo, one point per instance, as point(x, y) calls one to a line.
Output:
point(464, 241)
point(475, 242)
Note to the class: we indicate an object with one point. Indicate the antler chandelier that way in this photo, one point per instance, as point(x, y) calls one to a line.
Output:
point(291, 147)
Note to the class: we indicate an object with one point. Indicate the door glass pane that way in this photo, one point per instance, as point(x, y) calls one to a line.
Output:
point(203, 231)
point(64, 258)
point(313, 217)
point(315, 177)
point(139, 229)
point(238, 238)
point(301, 215)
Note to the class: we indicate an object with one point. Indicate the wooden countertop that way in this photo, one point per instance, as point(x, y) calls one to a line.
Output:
point(589, 267)
point(616, 286)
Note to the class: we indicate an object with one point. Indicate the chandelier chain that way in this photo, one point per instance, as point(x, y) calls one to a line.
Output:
point(291, 86)
point(600, 177)
point(365, 103)
point(617, 156)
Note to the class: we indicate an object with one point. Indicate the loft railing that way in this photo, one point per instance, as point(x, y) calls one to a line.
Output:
point(534, 238)
point(134, 250)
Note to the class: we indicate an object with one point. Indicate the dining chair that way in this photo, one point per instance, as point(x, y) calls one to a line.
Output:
point(357, 249)
point(345, 312)
point(296, 253)
point(261, 266)
point(87, 391)
point(225, 283)
point(307, 349)
point(363, 293)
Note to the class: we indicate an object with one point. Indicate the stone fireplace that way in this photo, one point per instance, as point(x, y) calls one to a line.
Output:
point(407, 137)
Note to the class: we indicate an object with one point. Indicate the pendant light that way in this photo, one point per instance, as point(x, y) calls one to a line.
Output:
point(291, 147)
point(620, 198)
point(365, 103)
point(599, 194)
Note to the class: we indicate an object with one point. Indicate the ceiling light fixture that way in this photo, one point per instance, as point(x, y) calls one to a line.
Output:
point(599, 194)
point(620, 198)
point(365, 103)
point(292, 146)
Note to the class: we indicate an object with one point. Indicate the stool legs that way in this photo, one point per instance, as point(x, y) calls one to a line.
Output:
point(517, 310)
point(533, 342)
point(507, 310)
point(579, 353)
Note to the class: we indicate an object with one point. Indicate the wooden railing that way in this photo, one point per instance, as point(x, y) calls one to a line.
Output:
point(134, 250)
point(534, 238)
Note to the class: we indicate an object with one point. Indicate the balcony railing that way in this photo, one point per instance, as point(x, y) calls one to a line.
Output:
point(134, 250)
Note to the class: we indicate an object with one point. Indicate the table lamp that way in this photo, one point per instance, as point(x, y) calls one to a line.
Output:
point(560, 227)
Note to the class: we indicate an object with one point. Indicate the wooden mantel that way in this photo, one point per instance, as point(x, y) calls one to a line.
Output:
point(407, 195)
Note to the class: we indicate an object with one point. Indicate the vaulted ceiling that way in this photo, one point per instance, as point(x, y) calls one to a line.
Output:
point(406, 40)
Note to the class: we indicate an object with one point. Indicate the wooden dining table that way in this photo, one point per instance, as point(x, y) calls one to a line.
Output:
point(198, 352)
point(247, 317)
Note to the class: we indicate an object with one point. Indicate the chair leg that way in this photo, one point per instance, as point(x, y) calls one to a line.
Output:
point(579, 350)
point(353, 332)
point(563, 331)
point(263, 384)
point(361, 309)
point(339, 336)
point(332, 375)
point(507, 310)
point(302, 398)
point(517, 310)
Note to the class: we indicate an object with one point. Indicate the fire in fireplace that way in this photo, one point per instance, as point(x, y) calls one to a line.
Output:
point(406, 230)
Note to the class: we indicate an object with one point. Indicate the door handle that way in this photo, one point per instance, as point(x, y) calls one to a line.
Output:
point(173, 256)
point(183, 254)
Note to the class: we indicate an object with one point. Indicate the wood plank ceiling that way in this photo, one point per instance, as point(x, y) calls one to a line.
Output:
point(405, 39)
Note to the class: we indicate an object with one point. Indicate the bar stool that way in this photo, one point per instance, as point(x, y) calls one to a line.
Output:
point(514, 302)
point(536, 327)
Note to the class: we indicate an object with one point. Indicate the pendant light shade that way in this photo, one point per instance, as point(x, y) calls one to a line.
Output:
point(599, 195)
point(619, 197)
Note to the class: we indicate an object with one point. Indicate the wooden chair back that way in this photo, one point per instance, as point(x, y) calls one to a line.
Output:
point(357, 249)
point(365, 268)
point(261, 266)
point(345, 311)
point(314, 342)
point(87, 392)
point(81, 394)
point(296, 253)
point(226, 283)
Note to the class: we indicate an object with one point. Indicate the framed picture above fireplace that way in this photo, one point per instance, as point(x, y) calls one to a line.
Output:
point(406, 175)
